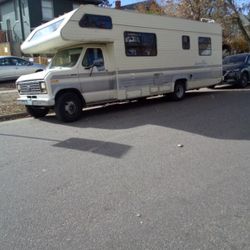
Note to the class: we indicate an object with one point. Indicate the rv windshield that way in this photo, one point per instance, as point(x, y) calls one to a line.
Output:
point(66, 58)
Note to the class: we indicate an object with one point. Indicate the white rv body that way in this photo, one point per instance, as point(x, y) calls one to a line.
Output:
point(143, 55)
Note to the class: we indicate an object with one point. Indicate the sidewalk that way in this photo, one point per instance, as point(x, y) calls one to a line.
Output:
point(9, 109)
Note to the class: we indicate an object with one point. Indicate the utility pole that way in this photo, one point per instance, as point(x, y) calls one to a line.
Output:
point(21, 19)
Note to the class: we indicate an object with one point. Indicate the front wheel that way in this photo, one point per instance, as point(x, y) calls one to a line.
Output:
point(243, 80)
point(179, 91)
point(37, 112)
point(68, 107)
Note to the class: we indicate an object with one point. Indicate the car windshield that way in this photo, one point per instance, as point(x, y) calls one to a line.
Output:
point(66, 58)
point(234, 59)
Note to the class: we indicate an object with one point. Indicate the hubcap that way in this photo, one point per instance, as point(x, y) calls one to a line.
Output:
point(179, 91)
point(70, 107)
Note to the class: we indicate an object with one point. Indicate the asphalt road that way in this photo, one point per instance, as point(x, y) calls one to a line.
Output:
point(117, 179)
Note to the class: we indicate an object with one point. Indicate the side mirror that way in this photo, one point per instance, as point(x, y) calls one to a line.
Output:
point(98, 62)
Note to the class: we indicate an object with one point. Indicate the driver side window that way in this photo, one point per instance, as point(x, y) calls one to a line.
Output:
point(248, 60)
point(93, 57)
point(19, 62)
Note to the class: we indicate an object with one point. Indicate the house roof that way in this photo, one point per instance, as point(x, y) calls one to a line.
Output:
point(133, 6)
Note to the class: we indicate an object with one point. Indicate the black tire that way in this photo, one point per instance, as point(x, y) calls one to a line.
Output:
point(243, 80)
point(211, 87)
point(37, 112)
point(68, 107)
point(179, 91)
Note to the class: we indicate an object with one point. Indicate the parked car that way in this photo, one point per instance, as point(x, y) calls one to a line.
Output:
point(12, 67)
point(236, 69)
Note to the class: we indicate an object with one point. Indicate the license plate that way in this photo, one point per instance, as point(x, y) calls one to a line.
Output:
point(25, 102)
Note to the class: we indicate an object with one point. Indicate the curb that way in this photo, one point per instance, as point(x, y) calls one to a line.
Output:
point(8, 91)
point(13, 116)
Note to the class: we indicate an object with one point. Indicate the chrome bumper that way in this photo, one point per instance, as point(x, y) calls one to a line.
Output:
point(36, 101)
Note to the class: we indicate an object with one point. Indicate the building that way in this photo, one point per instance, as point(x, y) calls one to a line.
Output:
point(19, 17)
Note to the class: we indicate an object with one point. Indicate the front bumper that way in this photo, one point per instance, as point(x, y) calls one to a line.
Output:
point(37, 100)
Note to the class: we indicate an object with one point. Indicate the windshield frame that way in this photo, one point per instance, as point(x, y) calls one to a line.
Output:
point(62, 55)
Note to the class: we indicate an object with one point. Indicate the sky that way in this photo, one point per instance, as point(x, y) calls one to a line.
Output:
point(125, 2)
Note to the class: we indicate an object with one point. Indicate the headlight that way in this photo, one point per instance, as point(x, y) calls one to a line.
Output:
point(18, 87)
point(43, 87)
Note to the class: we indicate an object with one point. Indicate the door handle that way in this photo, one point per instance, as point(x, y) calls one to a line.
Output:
point(158, 74)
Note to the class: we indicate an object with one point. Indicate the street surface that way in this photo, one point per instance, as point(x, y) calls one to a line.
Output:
point(118, 178)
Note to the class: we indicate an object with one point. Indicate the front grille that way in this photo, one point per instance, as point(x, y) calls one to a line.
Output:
point(31, 87)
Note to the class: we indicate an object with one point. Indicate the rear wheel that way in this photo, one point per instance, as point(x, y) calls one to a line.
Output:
point(68, 107)
point(179, 91)
point(37, 112)
point(243, 80)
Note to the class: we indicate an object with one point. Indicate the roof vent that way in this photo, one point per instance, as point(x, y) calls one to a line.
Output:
point(207, 20)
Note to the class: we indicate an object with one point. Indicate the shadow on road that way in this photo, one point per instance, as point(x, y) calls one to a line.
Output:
point(115, 150)
point(222, 113)
point(111, 149)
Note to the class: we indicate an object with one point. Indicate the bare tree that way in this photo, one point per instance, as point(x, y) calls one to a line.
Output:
point(225, 12)
point(151, 7)
point(236, 11)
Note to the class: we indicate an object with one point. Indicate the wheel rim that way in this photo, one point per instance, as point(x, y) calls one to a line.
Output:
point(179, 91)
point(70, 108)
point(244, 80)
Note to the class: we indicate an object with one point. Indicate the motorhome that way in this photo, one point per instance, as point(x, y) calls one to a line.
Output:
point(107, 55)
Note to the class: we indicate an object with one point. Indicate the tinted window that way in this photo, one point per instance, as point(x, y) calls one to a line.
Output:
point(19, 62)
point(6, 62)
point(234, 59)
point(96, 21)
point(185, 42)
point(140, 44)
point(205, 46)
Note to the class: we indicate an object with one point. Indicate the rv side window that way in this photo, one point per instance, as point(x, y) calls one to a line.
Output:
point(93, 57)
point(140, 44)
point(96, 21)
point(185, 42)
point(205, 46)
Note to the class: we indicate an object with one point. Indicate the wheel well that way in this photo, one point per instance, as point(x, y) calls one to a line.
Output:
point(183, 81)
point(39, 70)
point(76, 91)
point(245, 72)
